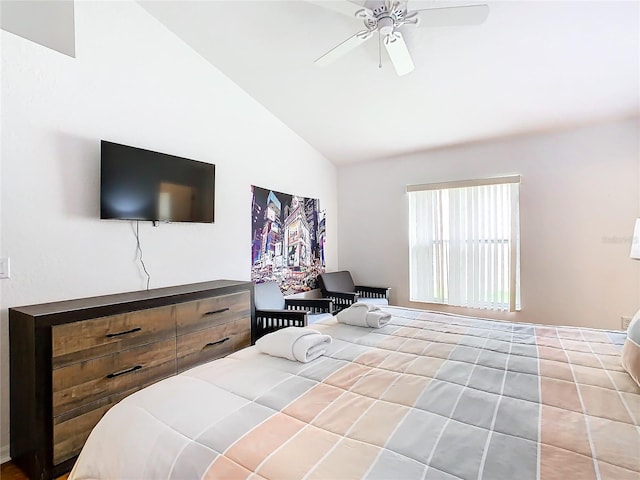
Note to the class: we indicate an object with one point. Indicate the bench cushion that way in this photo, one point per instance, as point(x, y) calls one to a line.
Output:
point(373, 301)
point(268, 296)
point(337, 282)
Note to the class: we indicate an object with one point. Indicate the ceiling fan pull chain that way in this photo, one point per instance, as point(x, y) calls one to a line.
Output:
point(379, 50)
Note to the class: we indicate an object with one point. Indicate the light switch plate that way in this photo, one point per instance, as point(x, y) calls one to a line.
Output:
point(4, 268)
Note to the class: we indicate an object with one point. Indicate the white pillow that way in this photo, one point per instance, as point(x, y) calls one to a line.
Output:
point(631, 349)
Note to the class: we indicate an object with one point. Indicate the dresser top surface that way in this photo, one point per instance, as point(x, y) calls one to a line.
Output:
point(193, 289)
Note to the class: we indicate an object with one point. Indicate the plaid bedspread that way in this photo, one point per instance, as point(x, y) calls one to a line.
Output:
point(429, 396)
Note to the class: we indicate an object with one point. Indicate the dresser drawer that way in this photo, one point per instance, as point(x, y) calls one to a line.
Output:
point(210, 312)
point(78, 341)
point(71, 430)
point(85, 382)
point(214, 342)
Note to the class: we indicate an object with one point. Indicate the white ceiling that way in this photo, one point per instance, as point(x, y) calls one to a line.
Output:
point(532, 66)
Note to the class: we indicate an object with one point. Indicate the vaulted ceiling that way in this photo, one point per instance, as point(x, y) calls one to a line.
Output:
point(531, 66)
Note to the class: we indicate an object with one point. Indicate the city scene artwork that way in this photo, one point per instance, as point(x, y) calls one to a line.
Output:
point(288, 234)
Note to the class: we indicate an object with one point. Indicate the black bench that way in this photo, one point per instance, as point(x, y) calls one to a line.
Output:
point(339, 287)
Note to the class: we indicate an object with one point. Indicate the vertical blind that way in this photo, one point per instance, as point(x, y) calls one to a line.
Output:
point(464, 243)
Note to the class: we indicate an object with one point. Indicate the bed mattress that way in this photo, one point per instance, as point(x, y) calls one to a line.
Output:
point(428, 396)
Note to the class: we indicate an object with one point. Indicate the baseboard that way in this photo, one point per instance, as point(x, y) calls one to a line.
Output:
point(4, 454)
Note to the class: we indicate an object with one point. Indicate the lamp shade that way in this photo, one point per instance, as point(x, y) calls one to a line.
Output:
point(635, 243)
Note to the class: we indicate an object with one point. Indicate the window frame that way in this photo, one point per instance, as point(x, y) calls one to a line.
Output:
point(513, 240)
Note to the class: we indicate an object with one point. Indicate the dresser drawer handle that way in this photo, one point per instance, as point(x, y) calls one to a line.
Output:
point(211, 344)
point(213, 312)
point(111, 335)
point(122, 372)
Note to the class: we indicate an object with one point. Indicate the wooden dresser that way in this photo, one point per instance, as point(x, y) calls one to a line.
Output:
point(71, 361)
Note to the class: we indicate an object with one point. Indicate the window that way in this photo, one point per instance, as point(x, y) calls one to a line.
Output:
point(464, 243)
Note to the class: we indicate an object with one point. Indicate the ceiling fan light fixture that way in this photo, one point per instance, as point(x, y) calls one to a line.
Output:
point(385, 26)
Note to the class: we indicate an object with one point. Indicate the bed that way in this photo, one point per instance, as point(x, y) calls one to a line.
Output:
point(428, 396)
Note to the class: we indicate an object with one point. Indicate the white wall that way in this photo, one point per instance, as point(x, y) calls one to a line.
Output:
point(132, 82)
point(579, 199)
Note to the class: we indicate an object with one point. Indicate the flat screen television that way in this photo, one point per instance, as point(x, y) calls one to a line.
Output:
point(138, 184)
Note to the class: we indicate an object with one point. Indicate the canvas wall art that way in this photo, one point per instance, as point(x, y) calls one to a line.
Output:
point(287, 240)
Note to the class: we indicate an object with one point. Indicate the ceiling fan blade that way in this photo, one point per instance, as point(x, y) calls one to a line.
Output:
point(345, 7)
point(453, 16)
point(344, 48)
point(399, 53)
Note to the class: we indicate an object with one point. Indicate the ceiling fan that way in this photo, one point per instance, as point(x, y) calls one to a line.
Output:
point(386, 17)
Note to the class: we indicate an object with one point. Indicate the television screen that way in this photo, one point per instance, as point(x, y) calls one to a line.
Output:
point(137, 184)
